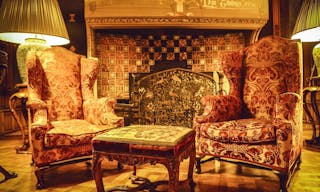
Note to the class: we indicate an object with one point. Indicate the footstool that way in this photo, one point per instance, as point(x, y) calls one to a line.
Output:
point(140, 144)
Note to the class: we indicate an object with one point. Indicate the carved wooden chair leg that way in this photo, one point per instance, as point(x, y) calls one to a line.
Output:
point(299, 162)
point(40, 178)
point(198, 165)
point(119, 166)
point(283, 181)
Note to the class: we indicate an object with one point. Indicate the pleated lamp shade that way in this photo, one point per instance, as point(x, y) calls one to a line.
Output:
point(34, 24)
point(307, 27)
point(41, 19)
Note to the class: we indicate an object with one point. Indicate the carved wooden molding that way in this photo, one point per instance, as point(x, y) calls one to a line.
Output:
point(213, 14)
point(254, 24)
point(197, 22)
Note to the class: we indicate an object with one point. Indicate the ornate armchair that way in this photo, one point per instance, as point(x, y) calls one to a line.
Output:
point(63, 114)
point(259, 121)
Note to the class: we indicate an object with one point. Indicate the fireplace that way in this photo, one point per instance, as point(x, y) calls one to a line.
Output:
point(142, 37)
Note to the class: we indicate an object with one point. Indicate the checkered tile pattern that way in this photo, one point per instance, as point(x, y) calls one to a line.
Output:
point(121, 54)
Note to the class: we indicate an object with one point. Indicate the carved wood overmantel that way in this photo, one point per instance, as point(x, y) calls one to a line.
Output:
point(193, 14)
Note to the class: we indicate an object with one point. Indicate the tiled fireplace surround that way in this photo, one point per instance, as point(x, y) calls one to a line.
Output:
point(144, 36)
point(123, 53)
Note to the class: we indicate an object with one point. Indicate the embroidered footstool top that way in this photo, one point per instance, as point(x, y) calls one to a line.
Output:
point(157, 135)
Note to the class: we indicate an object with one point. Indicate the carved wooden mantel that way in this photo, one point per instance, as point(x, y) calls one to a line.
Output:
point(193, 14)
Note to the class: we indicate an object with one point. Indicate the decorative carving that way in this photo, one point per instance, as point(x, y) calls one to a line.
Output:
point(174, 21)
point(181, 151)
point(142, 154)
point(171, 97)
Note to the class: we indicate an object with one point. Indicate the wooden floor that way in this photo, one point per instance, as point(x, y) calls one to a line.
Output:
point(229, 178)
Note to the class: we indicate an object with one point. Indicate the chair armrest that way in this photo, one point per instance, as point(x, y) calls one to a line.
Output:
point(37, 109)
point(287, 119)
point(38, 122)
point(288, 107)
point(219, 108)
point(101, 112)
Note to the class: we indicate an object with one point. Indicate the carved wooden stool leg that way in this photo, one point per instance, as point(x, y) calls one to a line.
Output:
point(192, 159)
point(173, 170)
point(96, 171)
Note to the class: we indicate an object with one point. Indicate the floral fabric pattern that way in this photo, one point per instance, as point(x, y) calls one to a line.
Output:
point(72, 133)
point(100, 112)
point(43, 155)
point(232, 67)
point(219, 108)
point(65, 116)
point(265, 76)
point(65, 66)
point(239, 131)
point(147, 134)
point(268, 133)
point(89, 72)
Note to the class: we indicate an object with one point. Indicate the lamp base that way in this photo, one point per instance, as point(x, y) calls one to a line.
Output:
point(30, 44)
point(316, 57)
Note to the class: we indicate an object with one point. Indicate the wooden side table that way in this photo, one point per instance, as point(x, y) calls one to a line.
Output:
point(16, 98)
point(140, 144)
point(312, 92)
point(7, 175)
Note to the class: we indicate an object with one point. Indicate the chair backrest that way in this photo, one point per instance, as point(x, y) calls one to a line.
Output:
point(272, 67)
point(57, 77)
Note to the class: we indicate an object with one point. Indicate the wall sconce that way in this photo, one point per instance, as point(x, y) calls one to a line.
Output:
point(34, 24)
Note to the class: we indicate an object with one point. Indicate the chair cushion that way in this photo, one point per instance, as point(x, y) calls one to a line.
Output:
point(72, 132)
point(157, 135)
point(239, 131)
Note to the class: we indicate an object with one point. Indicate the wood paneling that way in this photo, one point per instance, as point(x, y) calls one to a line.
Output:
point(7, 121)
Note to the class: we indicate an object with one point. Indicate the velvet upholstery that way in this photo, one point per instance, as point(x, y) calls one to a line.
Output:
point(64, 115)
point(263, 126)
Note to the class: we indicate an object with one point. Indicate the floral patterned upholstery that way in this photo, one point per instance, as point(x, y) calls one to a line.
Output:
point(240, 131)
point(266, 77)
point(64, 114)
point(72, 132)
point(147, 135)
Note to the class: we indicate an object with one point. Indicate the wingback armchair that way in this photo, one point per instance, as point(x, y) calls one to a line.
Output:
point(64, 115)
point(259, 121)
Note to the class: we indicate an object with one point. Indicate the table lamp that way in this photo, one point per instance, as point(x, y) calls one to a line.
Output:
point(307, 28)
point(34, 24)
